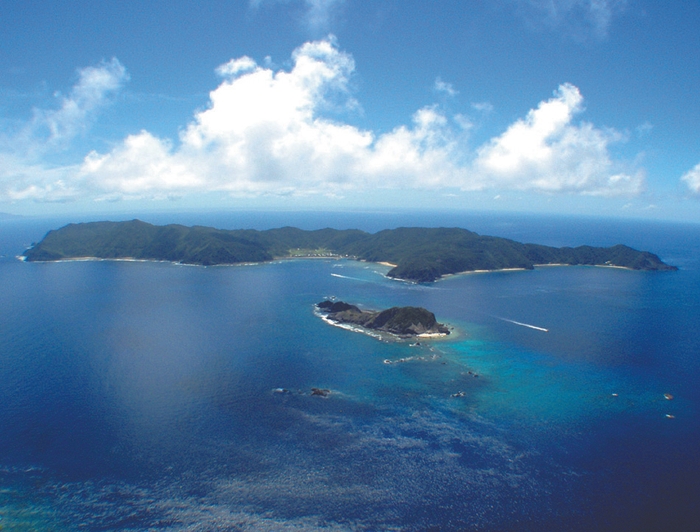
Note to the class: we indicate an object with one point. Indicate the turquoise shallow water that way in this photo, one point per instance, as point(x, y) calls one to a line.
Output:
point(140, 396)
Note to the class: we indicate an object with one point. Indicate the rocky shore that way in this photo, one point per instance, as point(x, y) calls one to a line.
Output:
point(405, 322)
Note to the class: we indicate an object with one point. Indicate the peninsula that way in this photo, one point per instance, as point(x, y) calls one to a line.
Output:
point(416, 254)
point(400, 321)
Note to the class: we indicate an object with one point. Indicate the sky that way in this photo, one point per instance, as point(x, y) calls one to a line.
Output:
point(584, 107)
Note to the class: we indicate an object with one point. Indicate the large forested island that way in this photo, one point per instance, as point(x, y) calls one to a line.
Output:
point(415, 253)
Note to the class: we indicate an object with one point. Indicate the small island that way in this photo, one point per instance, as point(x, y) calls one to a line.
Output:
point(415, 254)
point(404, 322)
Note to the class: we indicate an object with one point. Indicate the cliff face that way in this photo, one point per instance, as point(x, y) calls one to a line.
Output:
point(401, 321)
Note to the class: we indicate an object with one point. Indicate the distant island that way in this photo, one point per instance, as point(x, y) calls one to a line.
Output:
point(414, 253)
point(399, 321)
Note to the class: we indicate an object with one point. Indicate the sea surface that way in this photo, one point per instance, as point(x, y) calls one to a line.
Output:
point(154, 396)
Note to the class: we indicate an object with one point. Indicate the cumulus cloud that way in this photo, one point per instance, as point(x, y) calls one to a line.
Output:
point(692, 179)
point(266, 132)
point(262, 135)
point(546, 152)
point(236, 66)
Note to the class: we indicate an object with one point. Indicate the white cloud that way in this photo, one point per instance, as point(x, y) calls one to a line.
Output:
point(483, 107)
point(21, 179)
point(644, 129)
point(24, 172)
point(546, 152)
point(463, 121)
point(318, 14)
point(142, 163)
point(692, 179)
point(447, 88)
point(582, 19)
point(236, 66)
point(90, 93)
point(264, 133)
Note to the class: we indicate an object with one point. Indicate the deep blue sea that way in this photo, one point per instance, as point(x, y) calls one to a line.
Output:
point(141, 396)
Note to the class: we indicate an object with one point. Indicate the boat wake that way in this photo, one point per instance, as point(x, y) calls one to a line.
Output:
point(523, 324)
point(351, 278)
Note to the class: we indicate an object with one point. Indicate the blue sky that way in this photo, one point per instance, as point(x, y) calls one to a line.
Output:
point(552, 106)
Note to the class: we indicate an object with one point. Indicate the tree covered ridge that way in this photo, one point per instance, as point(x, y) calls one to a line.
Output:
point(420, 254)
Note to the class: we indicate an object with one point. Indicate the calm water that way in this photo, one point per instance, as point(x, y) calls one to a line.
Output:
point(140, 396)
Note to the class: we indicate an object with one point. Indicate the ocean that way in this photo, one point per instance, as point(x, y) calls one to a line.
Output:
point(153, 396)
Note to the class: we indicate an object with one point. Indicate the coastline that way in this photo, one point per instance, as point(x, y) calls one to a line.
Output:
point(446, 276)
point(94, 259)
point(23, 258)
point(357, 328)
point(613, 266)
point(385, 336)
point(593, 265)
point(288, 257)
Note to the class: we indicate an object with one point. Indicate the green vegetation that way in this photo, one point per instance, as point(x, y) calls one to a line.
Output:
point(421, 254)
point(402, 321)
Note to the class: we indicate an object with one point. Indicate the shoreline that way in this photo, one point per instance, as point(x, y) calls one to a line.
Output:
point(288, 257)
point(446, 276)
point(23, 258)
point(548, 265)
point(593, 265)
point(386, 336)
point(466, 272)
